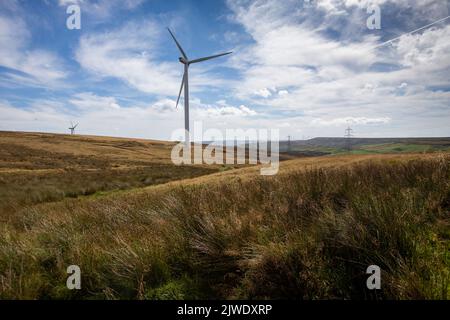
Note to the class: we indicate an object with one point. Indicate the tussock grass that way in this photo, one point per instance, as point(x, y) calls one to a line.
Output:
point(303, 234)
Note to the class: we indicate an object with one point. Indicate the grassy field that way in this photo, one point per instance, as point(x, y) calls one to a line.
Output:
point(39, 168)
point(307, 233)
point(369, 145)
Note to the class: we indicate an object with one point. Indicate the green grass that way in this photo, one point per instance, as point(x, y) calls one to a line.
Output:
point(401, 147)
point(384, 148)
point(303, 234)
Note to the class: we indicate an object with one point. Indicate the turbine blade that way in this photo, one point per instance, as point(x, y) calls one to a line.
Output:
point(181, 89)
point(76, 126)
point(178, 45)
point(211, 57)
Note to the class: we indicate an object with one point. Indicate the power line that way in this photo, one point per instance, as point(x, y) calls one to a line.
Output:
point(411, 32)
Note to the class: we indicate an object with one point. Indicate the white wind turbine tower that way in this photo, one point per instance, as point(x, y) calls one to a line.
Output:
point(72, 128)
point(185, 83)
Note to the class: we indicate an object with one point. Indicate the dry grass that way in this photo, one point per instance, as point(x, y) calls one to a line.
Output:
point(39, 168)
point(308, 233)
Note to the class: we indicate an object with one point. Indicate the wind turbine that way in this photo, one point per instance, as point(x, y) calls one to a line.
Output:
point(185, 83)
point(72, 128)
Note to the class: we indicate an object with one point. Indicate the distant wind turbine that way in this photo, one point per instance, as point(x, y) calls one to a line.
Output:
point(185, 83)
point(72, 128)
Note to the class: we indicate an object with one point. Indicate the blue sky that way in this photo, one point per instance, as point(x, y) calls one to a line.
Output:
point(307, 68)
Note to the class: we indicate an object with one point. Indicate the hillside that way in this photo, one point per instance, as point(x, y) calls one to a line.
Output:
point(324, 146)
point(43, 167)
point(38, 167)
point(308, 232)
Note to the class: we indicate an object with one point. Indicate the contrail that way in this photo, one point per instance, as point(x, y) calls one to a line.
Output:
point(411, 32)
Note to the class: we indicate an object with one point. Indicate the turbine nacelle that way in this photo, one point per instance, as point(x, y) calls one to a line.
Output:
point(183, 60)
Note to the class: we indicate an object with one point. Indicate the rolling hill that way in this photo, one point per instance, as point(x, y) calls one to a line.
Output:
point(324, 146)
point(200, 232)
point(38, 167)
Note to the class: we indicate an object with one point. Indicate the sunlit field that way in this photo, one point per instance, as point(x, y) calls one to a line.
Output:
point(141, 228)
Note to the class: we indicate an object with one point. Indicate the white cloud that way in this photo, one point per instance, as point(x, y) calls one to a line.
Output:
point(265, 93)
point(31, 66)
point(220, 108)
point(430, 49)
point(127, 54)
point(312, 68)
point(96, 115)
point(341, 75)
point(352, 120)
point(229, 111)
point(104, 114)
point(132, 53)
point(89, 101)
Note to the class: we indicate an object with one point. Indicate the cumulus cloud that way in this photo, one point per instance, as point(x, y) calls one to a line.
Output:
point(328, 59)
point(132, 53)
point(430, 49)
point(220, 110)
point(127, 54)
point(307, 67)
point(105, 115)
point(242, 111)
